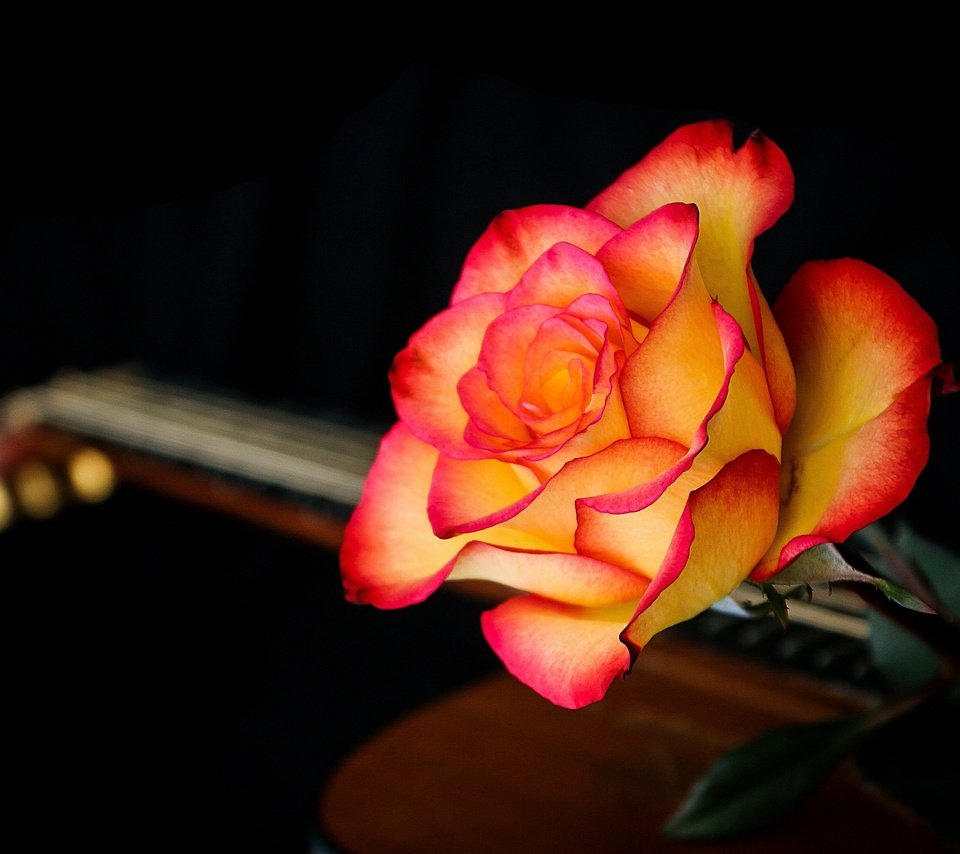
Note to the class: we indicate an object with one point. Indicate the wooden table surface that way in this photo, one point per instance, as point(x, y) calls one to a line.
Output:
point(495, 768)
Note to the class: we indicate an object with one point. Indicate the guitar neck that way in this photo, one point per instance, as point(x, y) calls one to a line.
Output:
point(295, 473)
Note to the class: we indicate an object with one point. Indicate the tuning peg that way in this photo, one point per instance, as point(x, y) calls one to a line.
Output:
point(39, 494)
point(91, 475)
point(7, 512)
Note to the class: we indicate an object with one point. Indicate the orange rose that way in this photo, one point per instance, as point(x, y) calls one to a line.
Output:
point(610, 419)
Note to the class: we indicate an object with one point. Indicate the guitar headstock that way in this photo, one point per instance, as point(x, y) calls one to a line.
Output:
point(74, 439)
point(44, 470)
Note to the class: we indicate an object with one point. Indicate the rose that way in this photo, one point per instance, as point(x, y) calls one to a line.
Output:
point(609, 419)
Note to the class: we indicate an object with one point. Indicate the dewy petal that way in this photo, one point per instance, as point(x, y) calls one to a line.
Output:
point(740, 193)
point(567, 654)
point(725, 529)
point(425, 373)
point(864, 352)
point(515, 239)
point(570, 578)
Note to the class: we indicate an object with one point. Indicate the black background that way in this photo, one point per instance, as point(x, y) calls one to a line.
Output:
point(181, 681)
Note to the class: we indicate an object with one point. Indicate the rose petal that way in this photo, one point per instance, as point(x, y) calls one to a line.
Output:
point(671, 381)
point(646, 261)
point(567, 654)
point(698, 164)
point(570, 578)
point(725, 529)
point(640, 533)
point(502, 357)
point(776, 361)
point(561, 275)
point(740, 193)
point(471, 495)
point(390, 557)
point(492, 425)
point(425, 373)
point(848, 483)
point(746, 421)
point(515, 239)
point(639, 539)
point(564, 280)
point(864, 352)
point(636, 498)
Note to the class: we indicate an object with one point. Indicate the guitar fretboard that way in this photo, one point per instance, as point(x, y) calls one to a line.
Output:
point(305, 455)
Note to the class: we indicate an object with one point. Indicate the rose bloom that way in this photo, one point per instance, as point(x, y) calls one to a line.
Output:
point(610, 421)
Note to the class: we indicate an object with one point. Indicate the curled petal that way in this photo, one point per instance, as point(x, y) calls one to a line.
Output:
point(725, 529)
point(425, 373)
point(641, 495)
point(502, 357)
point(570, 578)
point(672, 380)
point(635, 528)
point(390, 557)
point(646, 261)
point(698, 164)
point(740, 193)
point(566, 653)
point(561, 275)
point(471, 495)
point(492, 425)
point(546, 514)
point(746, 420)
point(864, 353)
point(639, 539)
point(515, 239)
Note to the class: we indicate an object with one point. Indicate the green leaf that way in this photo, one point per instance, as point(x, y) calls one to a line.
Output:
point(902, 596)
point(827, 564)
point(906, 658)
point(905, 661)
point(757, 784)
point(940, 566)
point(821, 564)
point(916, 760)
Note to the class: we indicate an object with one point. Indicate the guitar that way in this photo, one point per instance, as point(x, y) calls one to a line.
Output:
point(77, 436)
point(74, 437)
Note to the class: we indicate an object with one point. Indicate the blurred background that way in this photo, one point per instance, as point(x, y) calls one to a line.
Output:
point(178, 679)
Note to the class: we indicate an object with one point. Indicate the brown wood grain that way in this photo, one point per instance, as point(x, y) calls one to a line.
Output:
point(495, 768)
